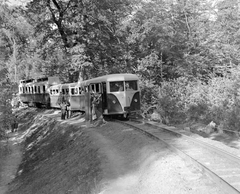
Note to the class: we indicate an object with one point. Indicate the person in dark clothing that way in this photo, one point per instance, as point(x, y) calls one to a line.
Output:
point(93, 106)
point(63, 107)
point(99, 106)
point(14, 125)
point(68, 109)
point(97, 103)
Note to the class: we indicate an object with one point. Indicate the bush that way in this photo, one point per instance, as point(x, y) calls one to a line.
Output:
point(149, 94)
point(6, 115)
point(182, 100)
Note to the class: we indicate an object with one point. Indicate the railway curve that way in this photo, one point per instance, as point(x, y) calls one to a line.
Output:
point(223, 167)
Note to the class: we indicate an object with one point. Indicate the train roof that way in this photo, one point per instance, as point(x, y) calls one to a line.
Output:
point(111, 77)
point(64, 85)
point(50, 80)
point(26, 81)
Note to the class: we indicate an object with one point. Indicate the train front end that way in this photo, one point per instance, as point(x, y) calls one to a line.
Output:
point(123, 95)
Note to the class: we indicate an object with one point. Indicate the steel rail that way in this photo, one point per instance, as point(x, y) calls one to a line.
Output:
point(201, 143)
point(221, 182)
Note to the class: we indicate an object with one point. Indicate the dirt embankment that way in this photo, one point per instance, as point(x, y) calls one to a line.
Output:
point(10, 158)
point(67, 157)
point(57, 157)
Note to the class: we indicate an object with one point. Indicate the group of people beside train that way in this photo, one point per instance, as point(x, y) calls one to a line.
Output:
point(95, 105)
point(65, 106)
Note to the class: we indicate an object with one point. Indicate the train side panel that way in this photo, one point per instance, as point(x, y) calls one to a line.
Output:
point(77, 102)
point(54, 101)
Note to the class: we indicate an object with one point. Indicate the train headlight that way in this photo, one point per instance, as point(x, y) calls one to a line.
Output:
point(114, 101)
point(135, 100)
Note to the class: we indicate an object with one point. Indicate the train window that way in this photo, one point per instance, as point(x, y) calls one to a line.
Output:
point(76, 90)
point(80, 90)
point(131, 85)
point(39, 91)
point(56, 91)
point(63, 91)
point(92, 88)
point(116, 86)
point(98, 88)
point(72, 91)
point(44, 89)
point(35, 89)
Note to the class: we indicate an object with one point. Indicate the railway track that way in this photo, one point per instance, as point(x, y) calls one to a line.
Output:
point(222, 166)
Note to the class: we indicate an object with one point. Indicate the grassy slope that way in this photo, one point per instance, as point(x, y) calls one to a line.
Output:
point(57, 158)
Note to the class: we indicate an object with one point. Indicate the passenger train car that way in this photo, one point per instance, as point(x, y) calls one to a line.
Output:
point(120, 93)
point(35, 92)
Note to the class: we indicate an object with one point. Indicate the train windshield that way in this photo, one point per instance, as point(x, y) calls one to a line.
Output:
point(131, 85)
point(116, 86)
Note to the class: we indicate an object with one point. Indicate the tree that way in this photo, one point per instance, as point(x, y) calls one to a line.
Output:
point(92, 26)
point(13, 40)
point(168, 38)
point(15, 33)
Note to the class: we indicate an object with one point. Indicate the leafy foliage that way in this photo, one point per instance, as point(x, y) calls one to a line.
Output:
point(183, 100)
point(86, 32)
point(185, 52)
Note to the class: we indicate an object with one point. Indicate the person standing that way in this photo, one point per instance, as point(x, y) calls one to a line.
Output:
point(14, 124)
point(93, 106)
point(99, 110)
point(68, 109)
point(63, 107)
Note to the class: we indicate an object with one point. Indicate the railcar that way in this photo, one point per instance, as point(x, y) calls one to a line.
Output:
point(25, 91)
point(71, 92)
point(54, 92)
point(35, 92)
point(77, 97)
point(66, 91)
point(120, 93)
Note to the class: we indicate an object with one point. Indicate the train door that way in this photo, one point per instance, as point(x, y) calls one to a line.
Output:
point(104, 97)
point(100, 89)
